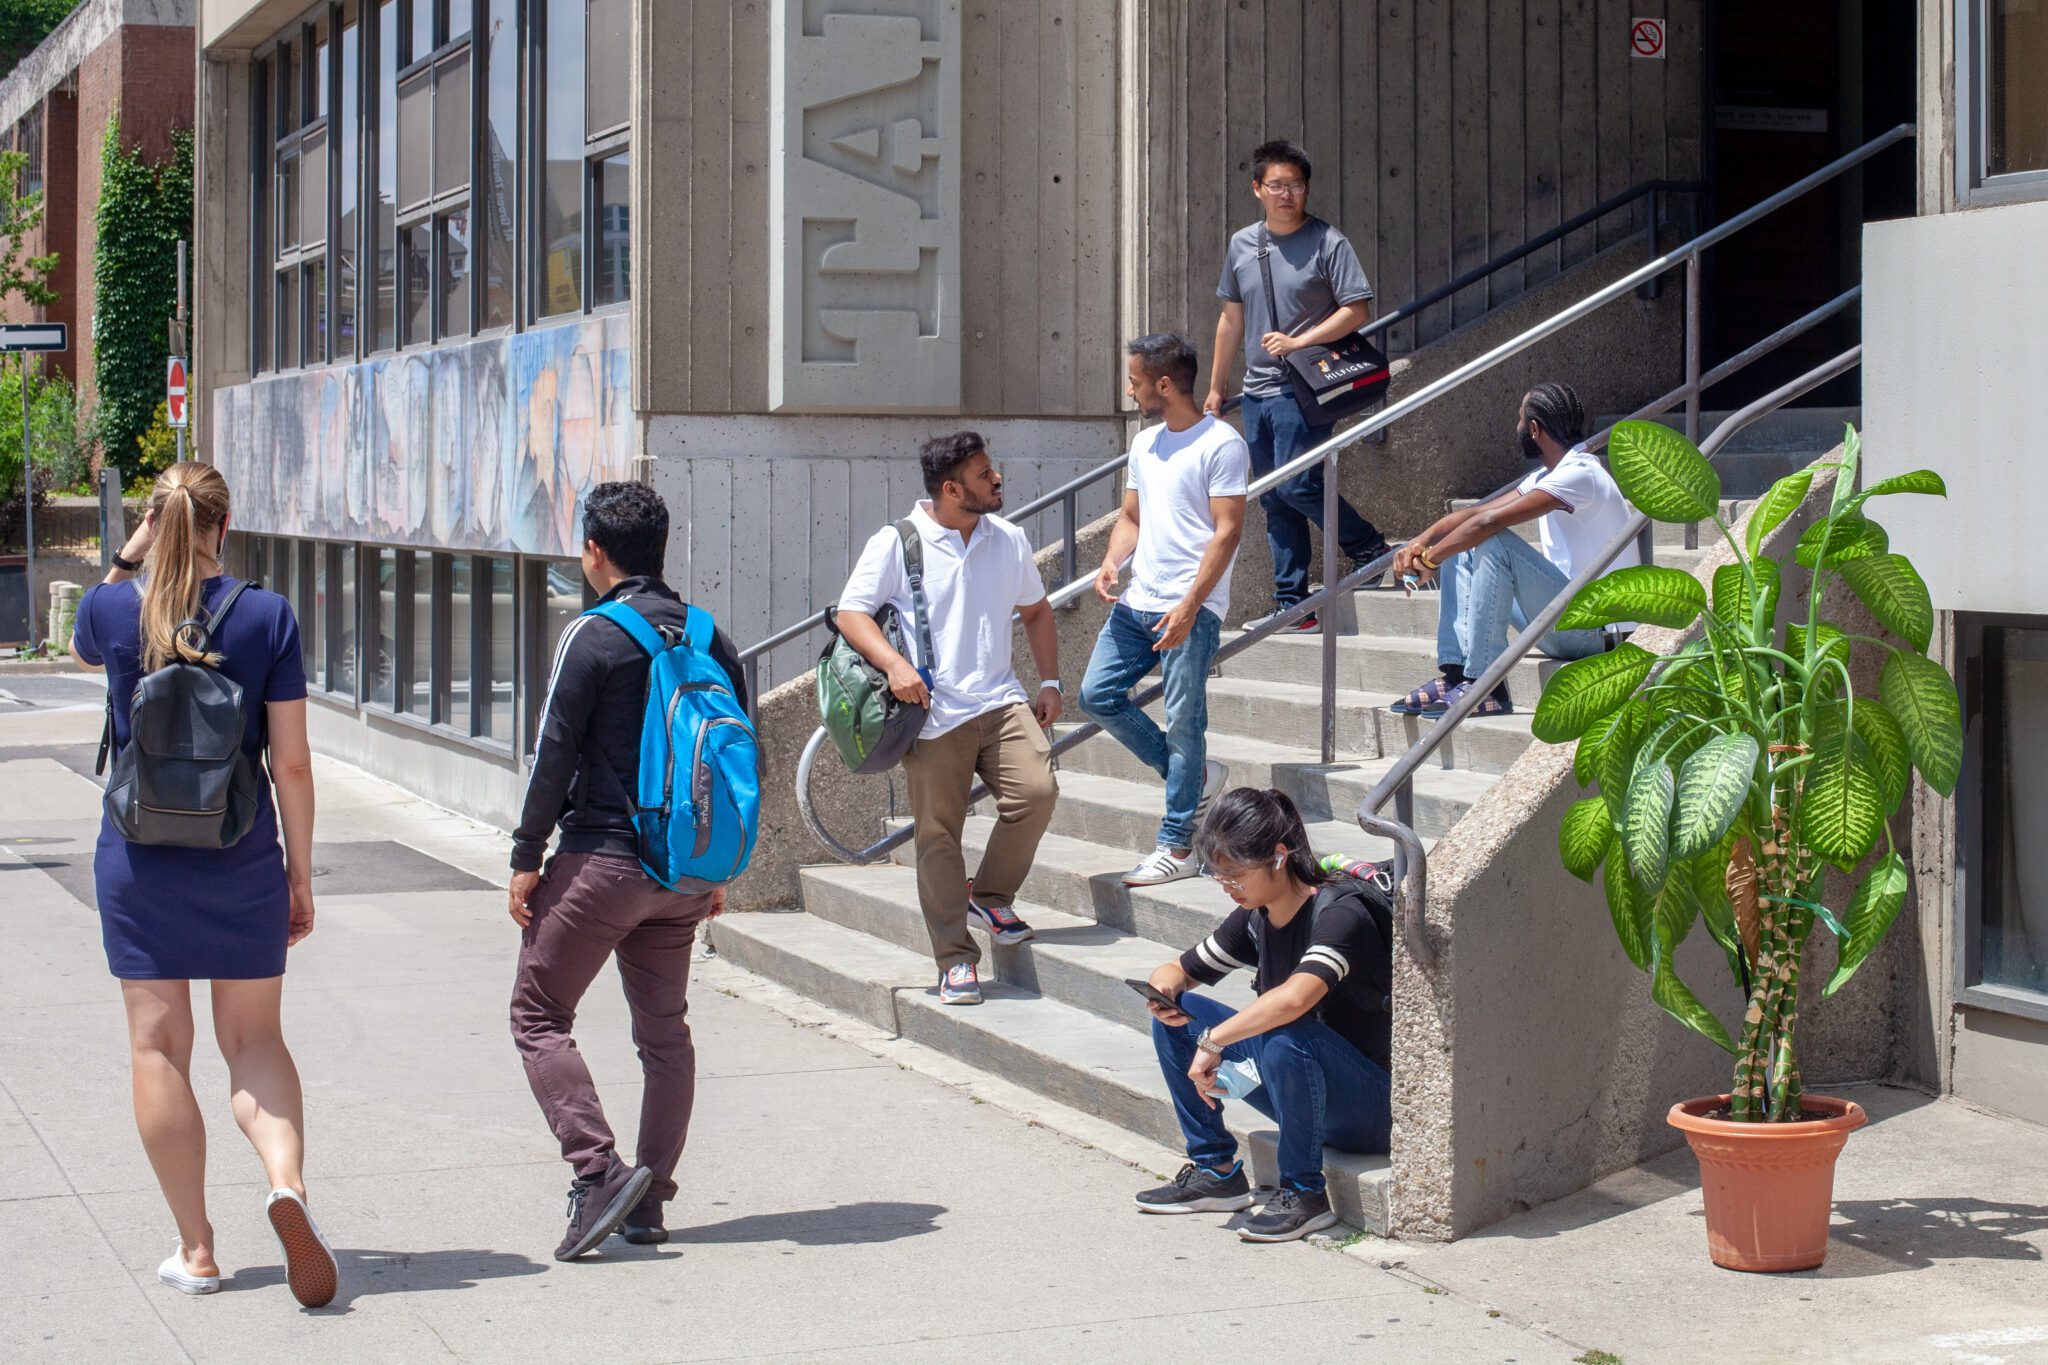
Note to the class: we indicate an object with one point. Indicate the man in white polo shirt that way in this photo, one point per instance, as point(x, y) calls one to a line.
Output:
point(978, 568)
point(1182, 518)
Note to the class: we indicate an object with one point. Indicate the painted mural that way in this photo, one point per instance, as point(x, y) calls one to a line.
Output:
point(487, 446)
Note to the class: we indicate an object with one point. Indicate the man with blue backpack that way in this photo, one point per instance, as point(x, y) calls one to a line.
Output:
point(647, 763)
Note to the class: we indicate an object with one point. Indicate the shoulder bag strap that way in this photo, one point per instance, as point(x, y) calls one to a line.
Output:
point(1266, 277)
point(913, 569)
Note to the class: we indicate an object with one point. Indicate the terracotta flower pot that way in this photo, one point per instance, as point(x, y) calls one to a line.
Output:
point(1769, 1187)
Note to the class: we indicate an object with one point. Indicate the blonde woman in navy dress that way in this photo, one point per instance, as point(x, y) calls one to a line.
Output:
point(171, 916)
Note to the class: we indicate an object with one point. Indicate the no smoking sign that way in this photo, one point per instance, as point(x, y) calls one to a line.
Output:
point(1646, 38)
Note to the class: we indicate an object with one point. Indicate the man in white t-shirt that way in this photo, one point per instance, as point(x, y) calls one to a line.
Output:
point(1492, 578)
point(978, 568)
point(1182, 518)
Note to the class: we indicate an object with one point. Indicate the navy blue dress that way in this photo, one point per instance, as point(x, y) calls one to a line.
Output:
point(196, 914)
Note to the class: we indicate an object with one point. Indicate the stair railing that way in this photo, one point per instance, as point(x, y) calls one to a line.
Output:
point(1067, 496)
point(1398, 784)
point(1408, 854)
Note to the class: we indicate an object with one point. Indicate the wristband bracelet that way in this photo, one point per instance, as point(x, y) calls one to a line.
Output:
point(1427, 562)
point(126, 565)
point(1053, 683)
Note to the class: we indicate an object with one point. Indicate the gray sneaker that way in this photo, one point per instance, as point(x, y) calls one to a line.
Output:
point(1288, 1215)
point(1196, 1190)
point(601, 1203)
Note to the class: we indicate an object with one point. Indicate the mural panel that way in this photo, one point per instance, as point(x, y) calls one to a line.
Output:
point(487, 446)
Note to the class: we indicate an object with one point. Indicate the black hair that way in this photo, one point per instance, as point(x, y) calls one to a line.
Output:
point(1282, 150)
point(1246, 825)
point(1170, 355)
point(942, 456)
point(629, 522)
point(1556, 409)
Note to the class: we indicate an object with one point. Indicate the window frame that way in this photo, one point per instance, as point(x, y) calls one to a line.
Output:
point(296, 262)
point(1972, 823)
point(596, 149)
point(1976, 186)
point(437, 204)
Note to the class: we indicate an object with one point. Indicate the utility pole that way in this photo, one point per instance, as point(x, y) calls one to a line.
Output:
point(178, 351)
point(28, 502)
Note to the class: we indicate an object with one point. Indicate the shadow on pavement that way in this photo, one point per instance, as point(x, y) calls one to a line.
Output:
point(1887, 1236)
point(843, 1225)
point(391, 1272)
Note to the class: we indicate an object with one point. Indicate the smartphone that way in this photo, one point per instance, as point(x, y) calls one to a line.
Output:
point(1152, 993)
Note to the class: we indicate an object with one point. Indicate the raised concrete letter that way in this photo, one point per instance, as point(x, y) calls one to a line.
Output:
point(864, 238)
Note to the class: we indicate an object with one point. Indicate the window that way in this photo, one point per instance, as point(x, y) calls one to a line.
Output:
point(300, 100)
point(384, 233)
point(455, 708)
point(2003, 812)
point(316, 627)
point(556, 595)
point(435, 148)
point(343, 626)
point(28, 139)
point(497, 197)
point(2001, 100)
point(384, 601)
point(583, 131)
point(494, 706)
point(349, 225)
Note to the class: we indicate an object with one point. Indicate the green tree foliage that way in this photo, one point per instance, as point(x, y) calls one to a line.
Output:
point(143, 212)
point(24, 24)
point(59, 442)
point(29, 281)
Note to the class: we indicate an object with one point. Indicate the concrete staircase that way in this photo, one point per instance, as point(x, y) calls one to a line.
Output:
point(1058, 1019)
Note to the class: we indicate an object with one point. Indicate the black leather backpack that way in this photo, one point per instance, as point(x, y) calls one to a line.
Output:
point(182, 780)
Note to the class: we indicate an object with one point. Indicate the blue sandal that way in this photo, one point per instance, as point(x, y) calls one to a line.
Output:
point(1422, 699)
point(1497, 703)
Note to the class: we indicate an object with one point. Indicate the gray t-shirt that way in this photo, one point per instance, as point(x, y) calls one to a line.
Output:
point(1315, 272)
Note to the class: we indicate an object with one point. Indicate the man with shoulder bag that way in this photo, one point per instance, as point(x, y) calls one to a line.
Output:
point(954, 575)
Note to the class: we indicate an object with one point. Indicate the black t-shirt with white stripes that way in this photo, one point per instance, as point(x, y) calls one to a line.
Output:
point(1343, 936)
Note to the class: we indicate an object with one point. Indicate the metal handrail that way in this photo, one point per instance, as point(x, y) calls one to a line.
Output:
point(1067, 494)
point(1398, 782)
point(1408, 854)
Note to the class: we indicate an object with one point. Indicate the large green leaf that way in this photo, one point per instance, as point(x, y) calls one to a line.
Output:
point(1583, 838)
point(1712, 785)
point(1780, 502)
point(1710, 886)
point(1922, 699)
point(1648, 593)
point(1853, 536)
point(1829, 642)
point(1662, 473)
point(1871, 911)
point(1625, 726)
point(1675, 907)
point(1580, 693)
point(1681, 1004)
point(1618, 756)
point(1889, 754)
point(1629, 907)
point(1896, 595)
point(1844, 811)
point(1919, 481)
point(1732, 600)
point(1646, 831)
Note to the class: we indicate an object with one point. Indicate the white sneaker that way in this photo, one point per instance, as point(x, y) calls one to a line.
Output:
point(309, 1265)
point(1163, 866)
point(173, 1273)
point(1214, 775)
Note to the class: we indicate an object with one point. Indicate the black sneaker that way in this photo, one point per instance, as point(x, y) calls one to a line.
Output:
point(644, 1226)
point(1196, 1190)
point(1289, 1214)
point(1306, 625)
point(598, 1205)
point(1368, 557)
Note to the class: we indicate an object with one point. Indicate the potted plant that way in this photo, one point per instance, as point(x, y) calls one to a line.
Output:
point(1732, 775)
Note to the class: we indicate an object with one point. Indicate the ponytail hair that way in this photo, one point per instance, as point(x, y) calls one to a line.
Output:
point(190, 506)
point(1246, 826)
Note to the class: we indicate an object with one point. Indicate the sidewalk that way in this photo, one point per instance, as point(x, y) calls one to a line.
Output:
point(846, 1196)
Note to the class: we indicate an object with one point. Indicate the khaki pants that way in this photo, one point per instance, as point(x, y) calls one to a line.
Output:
point(1007, 750)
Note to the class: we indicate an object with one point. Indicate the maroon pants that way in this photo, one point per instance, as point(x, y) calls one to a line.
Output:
point(590, 907)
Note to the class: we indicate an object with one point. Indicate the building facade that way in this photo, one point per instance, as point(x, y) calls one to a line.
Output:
point(131, 59)
point(1955, 359)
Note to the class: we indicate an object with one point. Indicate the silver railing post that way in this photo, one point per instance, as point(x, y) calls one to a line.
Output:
point(1331, 493)
point(1653, 286)
point(752, 668)
point(1692, 373)
point(1069, 552)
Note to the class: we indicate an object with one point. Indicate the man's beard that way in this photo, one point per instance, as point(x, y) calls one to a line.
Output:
point(982, 509)
point(1154, 411)
point(1530, 450)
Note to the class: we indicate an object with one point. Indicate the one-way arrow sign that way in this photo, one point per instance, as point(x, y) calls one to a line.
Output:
point(34, 336)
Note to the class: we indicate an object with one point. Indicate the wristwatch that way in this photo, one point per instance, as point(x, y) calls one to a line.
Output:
point(1053, 683)
point(1208, 1044)
point(125, 565)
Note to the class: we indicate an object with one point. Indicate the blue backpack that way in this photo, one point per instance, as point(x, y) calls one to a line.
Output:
point(698, 807)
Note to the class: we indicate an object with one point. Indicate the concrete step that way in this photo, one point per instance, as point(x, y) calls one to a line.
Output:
point(1052, 1049)
point(1085, 879)
point(1291, 713)
point(1071, 959)
point(1383, 666)
point(1322, 793)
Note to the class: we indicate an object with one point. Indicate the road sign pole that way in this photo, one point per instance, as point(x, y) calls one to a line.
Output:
point(28, 498)
point(180, 329)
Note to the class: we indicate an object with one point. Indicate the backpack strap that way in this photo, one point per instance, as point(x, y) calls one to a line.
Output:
point(698, 628)
point(913, 569)
point(211, 620)
point(634, 624)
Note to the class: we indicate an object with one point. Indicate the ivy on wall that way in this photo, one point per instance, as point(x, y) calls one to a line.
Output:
point(143, 212)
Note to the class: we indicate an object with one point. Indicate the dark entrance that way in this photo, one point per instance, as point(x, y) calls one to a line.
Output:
point(1792, 87)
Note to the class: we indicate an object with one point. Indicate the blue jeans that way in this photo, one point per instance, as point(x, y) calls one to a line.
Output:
point(1498, 582)
point(1123, 655)
point(1314, 1084)
point(1275, 432)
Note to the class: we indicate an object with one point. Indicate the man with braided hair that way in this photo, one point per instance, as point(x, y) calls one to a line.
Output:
point(1492, 578)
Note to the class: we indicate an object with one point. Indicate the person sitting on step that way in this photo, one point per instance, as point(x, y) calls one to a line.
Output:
point(1317, 1039)
point(1493, 578)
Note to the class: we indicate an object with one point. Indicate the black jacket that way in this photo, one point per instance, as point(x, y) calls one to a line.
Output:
point(587, 762)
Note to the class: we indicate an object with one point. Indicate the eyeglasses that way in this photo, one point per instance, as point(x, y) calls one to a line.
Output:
point(1288, 188)
point(1236, 881)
